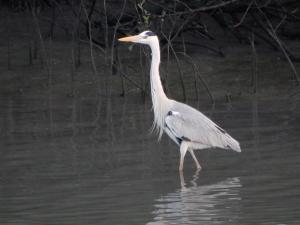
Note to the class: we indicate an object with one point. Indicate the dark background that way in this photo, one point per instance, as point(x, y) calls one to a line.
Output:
point(78, 31)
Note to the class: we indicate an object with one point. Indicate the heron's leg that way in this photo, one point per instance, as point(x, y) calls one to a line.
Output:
point(195, 159)
point(182, 181)
point(183, 149)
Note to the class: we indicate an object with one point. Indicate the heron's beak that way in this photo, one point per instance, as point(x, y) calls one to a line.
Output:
point(130, 38)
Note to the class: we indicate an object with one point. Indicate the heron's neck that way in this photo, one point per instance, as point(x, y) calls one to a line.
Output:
point(159, 98)
point(157, 90)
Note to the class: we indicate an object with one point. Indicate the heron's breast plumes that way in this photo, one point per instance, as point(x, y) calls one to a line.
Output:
point(160, 106)
point(160, 102)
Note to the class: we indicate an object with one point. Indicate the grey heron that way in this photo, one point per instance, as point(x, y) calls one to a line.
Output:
point(186, 126)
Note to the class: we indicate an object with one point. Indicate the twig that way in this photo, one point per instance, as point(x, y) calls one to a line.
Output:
point(90, 40)
point(95, 46)
point(120, 67)
point(8, 42)
point(205, 8)
point(244, 15)
point(216, 51)
point(267, 31)
point(273, 34)
point(106, 28)
point(254, 65)
point(131, 81)
point(179, 69)
point(172, 37)
point(195, 74)
point(114, 35)
point(261, 36)
point(142, 66)
point(44, 55)
point(190, 59)
point(75, 43)
point(280, 23)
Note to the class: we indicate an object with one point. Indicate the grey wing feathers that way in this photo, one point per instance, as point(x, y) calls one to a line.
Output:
point(186, 122)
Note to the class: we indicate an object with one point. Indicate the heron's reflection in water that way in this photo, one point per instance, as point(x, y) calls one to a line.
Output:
point(200, 204)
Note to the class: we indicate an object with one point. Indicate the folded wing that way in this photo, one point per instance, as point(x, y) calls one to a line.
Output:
point(186, 123)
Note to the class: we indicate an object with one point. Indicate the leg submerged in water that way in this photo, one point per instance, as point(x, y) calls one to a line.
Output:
point(195, 159)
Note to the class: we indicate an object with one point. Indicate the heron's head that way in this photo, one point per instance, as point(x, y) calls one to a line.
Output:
point(146, 37)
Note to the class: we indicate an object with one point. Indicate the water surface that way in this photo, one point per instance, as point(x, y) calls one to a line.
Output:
point(81, 160)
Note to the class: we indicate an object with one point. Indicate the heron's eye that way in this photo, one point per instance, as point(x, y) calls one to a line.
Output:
point(145, 37)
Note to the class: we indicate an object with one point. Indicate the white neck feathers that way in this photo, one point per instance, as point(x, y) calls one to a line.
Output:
point(159, 98)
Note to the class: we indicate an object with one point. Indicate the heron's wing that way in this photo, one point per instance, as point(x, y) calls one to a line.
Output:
point(189, 124)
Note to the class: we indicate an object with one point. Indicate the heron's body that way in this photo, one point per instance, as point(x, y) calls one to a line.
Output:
point(185, 125)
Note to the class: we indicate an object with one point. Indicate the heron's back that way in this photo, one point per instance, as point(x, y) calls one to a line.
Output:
point(195, 126)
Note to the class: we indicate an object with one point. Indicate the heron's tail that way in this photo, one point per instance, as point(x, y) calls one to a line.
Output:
point(232, 143)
